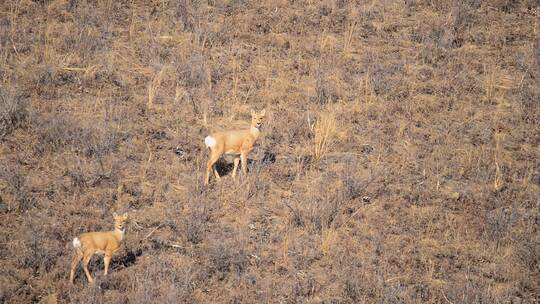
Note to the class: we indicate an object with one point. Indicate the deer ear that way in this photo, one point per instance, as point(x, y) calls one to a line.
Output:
point(253, 112)
point(263, 112)
point(115, 215)
point(125, 215)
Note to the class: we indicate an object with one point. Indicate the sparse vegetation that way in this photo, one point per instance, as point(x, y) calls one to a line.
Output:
point(399, 161)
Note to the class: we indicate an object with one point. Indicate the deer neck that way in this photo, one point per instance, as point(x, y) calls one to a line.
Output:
point(119, 233)
point(255, 132)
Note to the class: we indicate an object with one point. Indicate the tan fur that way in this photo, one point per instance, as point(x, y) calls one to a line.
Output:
point(106, 243)
point(239, 142)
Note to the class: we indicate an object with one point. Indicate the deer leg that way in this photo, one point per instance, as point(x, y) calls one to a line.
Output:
point(243, 156)
point(86, 260)
point(77, 257)
point(209, 166)
point(216, 173)
point(207, 178)
point(236, 161)
point(107, 261)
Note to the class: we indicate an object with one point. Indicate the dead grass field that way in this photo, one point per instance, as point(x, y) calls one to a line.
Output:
point(400, 161)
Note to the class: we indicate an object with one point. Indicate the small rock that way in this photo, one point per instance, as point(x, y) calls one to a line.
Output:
point(535, 178)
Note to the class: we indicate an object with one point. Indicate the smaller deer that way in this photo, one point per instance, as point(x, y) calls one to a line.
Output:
point(102, 242)
point(239, 142)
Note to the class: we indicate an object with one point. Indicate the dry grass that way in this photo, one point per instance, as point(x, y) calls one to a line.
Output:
point(328, 240)
point(154, 85)
point(400, 161)
point(324, 132)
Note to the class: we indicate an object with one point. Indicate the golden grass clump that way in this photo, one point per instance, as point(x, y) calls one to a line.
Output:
point(324, 133)
point(329, 238)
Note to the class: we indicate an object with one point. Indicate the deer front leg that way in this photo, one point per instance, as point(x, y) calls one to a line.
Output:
point(243, 157)
point(107, 261)
point(236, 161)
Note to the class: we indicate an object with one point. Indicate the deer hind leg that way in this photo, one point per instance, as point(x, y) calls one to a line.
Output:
point(210, 166)
point(216, 174)
point(77, 257)
point(236, 161)
point(86, 260)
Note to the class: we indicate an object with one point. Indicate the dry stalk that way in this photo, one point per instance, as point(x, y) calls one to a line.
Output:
point(153, 87)
point(489, 82)
point(369, 95)
point(348, 40)
point(498, 182)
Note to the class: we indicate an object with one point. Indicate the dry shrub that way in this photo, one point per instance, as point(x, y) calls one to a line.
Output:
point(91, 33)
point(15, 185)
point(325, 89)
point(528, 252)
point(190, 12)
point(58, 131)
point(55, 132)
point(529, 95)
point(355, 185)
point(13, 111)
point(193, 77)
point(40, 249)
point(196, 224)
point(387, 78)
point(226, 253)
point(194, 72)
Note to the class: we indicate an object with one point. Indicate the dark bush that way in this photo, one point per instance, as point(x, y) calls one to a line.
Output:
point(196, 224)
point(17, 186)
point(226, 253)
point(59, 131)
point(13, 111)
point(324, 89)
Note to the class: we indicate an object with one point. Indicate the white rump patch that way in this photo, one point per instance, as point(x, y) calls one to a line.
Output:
point(76, 243)
point(209, 141)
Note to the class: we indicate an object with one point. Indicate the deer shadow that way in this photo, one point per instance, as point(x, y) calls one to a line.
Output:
point(121, 260)
point(225, 165)
point(126, 259)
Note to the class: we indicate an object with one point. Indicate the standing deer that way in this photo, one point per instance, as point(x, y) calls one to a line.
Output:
point(102, 242)
point(238, 142)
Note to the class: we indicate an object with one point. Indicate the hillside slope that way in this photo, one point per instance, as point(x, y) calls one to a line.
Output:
point(399, 162)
